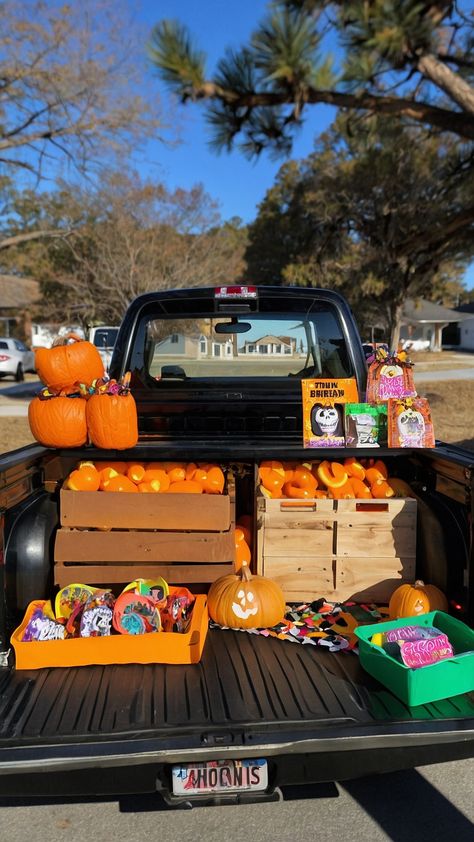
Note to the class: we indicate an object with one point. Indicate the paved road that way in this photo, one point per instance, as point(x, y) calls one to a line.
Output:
point(429, 804)
point(436, 376)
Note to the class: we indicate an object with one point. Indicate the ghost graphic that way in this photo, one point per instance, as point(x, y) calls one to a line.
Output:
point(411, 428)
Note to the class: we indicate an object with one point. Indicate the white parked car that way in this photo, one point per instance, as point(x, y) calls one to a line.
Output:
point(15, 358)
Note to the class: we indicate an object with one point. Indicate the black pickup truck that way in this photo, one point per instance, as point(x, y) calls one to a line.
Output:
point(216, 375)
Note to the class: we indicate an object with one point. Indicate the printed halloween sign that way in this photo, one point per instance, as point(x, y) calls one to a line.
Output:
point(390, 375)
point(323, 410)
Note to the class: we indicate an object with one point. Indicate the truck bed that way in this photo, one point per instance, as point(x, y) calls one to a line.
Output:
point(250, 696)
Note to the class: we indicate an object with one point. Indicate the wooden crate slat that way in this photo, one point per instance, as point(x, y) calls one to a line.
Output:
point(142, 546)
point(376, 543)
point(298, 543)
point(101, 574)
point(203, 512)
point(362, 579)
point(298, 580)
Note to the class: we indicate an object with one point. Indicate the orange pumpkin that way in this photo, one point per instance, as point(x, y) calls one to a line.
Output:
point(380, 489)
point(242, 549)
point(136, 472)
point(112, 421)
point(214, 481)
point(63, 365)
point(58, 421)
point(243, 601)
point(156, 475)
point(121, 483)
point(185, 486)
point(244, 522)
point(412, 600)
point(84, 478)
point(332, 474)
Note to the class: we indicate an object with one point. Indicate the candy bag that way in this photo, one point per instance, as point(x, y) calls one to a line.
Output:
point(42, 625)
point(365, 424)
point(409, 423)
point(390, 375)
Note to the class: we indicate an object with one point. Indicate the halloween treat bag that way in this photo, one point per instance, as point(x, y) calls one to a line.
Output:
point(390, 375)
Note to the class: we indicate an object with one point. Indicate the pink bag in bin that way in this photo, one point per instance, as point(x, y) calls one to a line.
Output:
point(390, 375)
point(410, 424)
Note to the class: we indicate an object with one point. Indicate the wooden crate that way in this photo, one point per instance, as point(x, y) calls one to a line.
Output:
point(337, 549)
point(115, 538)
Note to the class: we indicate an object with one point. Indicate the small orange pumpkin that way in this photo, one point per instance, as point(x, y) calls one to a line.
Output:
point(58, 421)
point(242, 548)
point(243, 601)
point(85, 478)
point(412, 600)
point(63, 365)
point(112, 421)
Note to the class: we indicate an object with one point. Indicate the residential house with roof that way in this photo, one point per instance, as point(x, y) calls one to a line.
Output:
point(18, 297)
point(426, 321)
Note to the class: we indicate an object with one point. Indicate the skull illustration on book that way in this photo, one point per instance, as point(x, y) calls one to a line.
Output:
point(326, 420)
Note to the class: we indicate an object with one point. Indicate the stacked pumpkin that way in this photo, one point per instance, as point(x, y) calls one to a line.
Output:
point(78, 403)
point(363, 479)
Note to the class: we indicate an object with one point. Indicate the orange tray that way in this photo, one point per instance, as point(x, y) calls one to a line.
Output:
point(153, 648)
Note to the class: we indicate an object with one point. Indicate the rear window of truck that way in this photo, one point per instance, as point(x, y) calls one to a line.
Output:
point(248, 345)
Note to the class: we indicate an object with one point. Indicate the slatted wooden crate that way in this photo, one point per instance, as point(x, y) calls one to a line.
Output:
point(337, 549)
point(108, 538)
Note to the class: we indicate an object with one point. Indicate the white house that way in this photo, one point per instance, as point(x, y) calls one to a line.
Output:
point(271, 345)
point(466, 326)
point(426, 320)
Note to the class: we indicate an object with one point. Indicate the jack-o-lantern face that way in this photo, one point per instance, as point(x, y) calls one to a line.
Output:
point(245, 607)
point(243, 601)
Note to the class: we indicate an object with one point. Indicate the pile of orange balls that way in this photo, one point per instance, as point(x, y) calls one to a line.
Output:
point(363, 479)
point(147, 477)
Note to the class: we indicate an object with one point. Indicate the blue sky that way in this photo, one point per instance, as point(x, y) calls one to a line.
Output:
point(237, 184)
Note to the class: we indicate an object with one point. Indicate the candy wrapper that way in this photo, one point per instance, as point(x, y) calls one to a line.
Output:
point(157, 589)
point(323, 411)
point(415, 646)
point(69, 598)
point(410, 424)
point(135, 614)
point(365, 424)
point(176, 613)
point(96, 616)
point(390, 375)
point(43, 626)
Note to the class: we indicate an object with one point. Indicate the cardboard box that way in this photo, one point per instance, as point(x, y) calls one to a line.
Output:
point(337, 549)
point(108, 538)
point(155, 648)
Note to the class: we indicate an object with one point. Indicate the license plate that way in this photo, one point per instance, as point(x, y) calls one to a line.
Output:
point(220, 776)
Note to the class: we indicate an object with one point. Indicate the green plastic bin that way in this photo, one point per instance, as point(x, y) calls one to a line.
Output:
point(442, 680)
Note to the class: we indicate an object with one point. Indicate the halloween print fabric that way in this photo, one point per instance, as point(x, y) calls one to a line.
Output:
point(322, 623)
